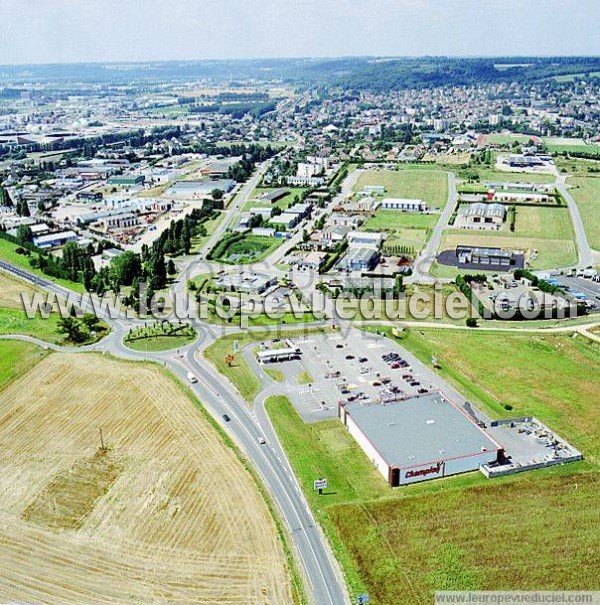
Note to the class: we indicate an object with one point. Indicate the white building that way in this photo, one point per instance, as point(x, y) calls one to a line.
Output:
point(424, 437)
point(403, 204)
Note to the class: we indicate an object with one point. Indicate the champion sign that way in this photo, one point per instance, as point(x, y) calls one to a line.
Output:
point(434, 469)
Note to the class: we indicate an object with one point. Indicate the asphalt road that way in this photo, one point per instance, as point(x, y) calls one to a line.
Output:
point(586, 254)
point(428, 254)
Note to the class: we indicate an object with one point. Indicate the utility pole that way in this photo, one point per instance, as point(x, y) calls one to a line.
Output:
point(102, 448)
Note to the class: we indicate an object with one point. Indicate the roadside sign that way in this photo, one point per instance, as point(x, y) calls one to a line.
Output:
point(320, 484)
point(362, 598)
point(236, 346)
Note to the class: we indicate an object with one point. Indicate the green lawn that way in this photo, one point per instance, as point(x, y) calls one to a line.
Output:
point(501, 176)
point(250, 249)
point(17, 358)
point(430, 186)
point(304, 378)
point(466, 532)
point(7, 253)
point(586, 191)
point(404, 228)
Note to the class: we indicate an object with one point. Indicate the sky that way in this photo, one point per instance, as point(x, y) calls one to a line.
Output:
point(67, 31)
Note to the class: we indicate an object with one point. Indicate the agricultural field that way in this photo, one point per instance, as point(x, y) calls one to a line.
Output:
point(17, 358)
point(430, 186)
point(586, 192)
point(164, 512)
point(402, 545)
point(404, 228)
point(545, 229)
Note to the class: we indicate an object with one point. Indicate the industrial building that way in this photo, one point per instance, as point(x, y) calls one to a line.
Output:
point(274, 196)
point(420, 438)
point(405, 205)
point(245, 281)
point(480, 216)
point(359, 259)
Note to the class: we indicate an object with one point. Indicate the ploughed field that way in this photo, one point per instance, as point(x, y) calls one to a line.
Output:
point(165, 513)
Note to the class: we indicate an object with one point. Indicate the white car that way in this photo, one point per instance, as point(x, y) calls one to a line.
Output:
point(262, 440)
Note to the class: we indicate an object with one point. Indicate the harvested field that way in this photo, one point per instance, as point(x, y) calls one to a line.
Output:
point(167, 514)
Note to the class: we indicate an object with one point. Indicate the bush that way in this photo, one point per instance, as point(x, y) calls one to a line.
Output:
point(471, 322)
point(508, 407)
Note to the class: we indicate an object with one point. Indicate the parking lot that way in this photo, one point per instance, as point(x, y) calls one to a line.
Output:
point(587, 290)
point(358, 366)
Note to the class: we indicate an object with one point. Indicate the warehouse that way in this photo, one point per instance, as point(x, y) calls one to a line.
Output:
point(420, 438)
point(406, 205)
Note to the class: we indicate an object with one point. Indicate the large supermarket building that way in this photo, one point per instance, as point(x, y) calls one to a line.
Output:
point(420, 438)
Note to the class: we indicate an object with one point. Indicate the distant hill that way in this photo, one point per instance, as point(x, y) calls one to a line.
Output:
point(359, 73)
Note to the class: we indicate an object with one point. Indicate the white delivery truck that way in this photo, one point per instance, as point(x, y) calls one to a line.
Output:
point(192, 378)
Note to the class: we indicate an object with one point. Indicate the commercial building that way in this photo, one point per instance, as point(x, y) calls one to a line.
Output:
point(406, 205)
point(273, 355)
point(494, 257)
point(420, 438)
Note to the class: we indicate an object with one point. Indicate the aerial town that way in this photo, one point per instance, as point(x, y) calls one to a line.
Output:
point(275, 340)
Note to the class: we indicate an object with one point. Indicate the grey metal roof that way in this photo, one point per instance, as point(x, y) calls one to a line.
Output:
point(419, 430)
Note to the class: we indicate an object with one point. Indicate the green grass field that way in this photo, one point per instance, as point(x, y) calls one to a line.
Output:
point(250, 249)
point(501, 176)
point(7, 253)
point(430, 186)
point(14, 321)
point(17, 358)
point(545, 229)
point(507, 139)
point(404, 228)
point(466, 532)
point(586, 191)
point(283, 203)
